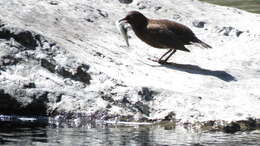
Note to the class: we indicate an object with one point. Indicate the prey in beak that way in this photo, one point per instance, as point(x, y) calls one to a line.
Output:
point(122, 25)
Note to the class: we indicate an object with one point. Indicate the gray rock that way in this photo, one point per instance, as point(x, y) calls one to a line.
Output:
point(28, 50)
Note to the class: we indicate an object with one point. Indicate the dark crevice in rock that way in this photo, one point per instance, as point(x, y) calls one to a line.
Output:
point(199, 24)
point(11, 105)
point(107, 97)
point(29, 85)
point(125, 1)
point(53, 2)
point(230, 31)
point(142, 108)
point(7, 103)
point(102, 13)
point(1, 23)
point(39, 104)
point(89, 20)
point(146, 94)
point(48, 65)
point(80, 74)
point(24, 37)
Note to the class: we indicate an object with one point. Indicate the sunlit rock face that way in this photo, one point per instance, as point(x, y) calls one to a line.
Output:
point(67, 57)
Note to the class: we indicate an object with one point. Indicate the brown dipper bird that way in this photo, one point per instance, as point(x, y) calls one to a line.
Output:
point(162, 33)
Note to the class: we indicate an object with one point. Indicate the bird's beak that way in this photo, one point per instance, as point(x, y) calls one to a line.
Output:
point(124, 20)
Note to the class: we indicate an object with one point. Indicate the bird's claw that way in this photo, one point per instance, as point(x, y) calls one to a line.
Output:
point(162, 62)
point(158, 61)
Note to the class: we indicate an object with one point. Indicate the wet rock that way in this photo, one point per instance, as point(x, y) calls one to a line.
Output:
point(22, 121)
point(249, 124)
point(232, 127)
point(170, 117)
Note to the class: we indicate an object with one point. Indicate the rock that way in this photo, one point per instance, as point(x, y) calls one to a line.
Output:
point(23, 37)
point(23, 102)
point(232, 128)
point(170, 117)
point(126, 1)
point(146, 94)
point(142, 108)
point(54, 2)
point(199, 24)
point(22, 96)
point(8, 103)
point(230, 31)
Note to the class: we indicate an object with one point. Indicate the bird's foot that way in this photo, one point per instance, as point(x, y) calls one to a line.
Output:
point(162, 62)
point(158, 60)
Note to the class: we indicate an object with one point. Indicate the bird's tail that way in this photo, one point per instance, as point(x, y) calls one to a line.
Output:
point(203, 44)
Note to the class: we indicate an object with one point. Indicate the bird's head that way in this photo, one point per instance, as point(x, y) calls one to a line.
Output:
point(135, 19)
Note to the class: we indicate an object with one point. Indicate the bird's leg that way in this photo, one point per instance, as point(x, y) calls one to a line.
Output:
point(163, 61)
point(173, 51)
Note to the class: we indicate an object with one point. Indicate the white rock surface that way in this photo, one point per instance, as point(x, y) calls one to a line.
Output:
point(222, 83)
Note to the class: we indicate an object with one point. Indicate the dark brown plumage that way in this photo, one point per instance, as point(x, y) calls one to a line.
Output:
point(162, 33)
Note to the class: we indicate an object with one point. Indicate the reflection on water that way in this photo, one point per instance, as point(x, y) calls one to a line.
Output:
point(107, 135)
point(248, 5)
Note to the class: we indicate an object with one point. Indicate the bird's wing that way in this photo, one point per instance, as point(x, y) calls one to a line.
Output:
point(181, 31)
point(163, 35)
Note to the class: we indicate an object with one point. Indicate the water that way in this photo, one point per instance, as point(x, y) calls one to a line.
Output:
point(41, 131)
point(122, 135)
point(248, 5)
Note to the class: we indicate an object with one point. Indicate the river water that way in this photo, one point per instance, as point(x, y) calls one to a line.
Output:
point(248, 5)
point(123, 135)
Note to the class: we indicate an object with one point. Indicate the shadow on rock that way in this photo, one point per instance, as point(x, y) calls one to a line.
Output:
point(194, 69)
